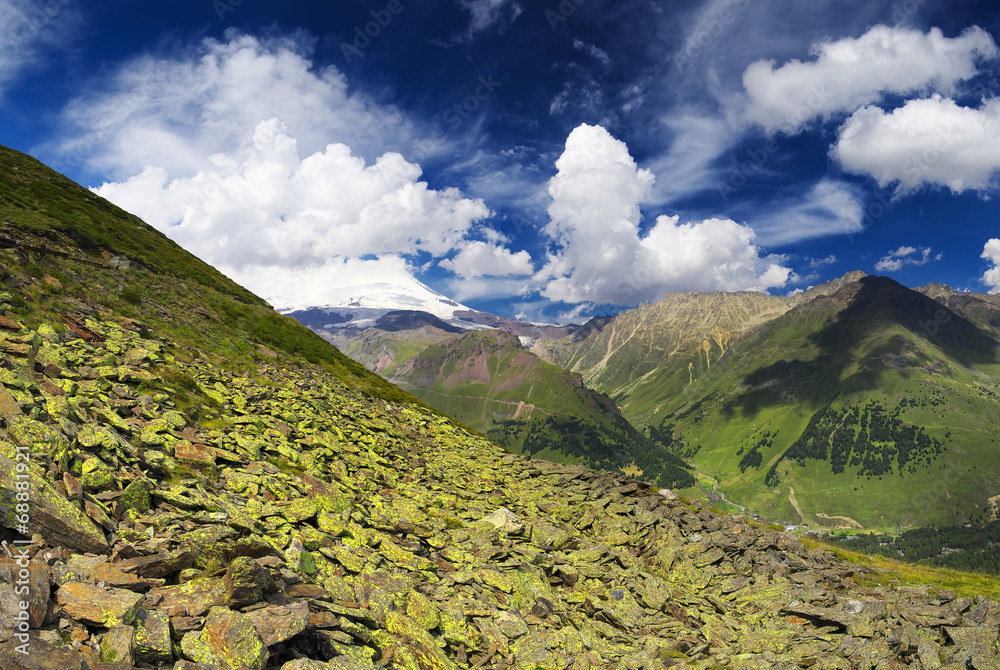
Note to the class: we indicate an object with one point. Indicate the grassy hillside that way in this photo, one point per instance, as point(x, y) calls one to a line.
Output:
point(488, 381)
point(870, 406)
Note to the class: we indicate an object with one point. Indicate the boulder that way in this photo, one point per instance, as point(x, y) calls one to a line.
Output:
point(58, 520)
point(99, 606)
point(152, 638)
point(278, 623)
point(232, 638)
point(118, 646)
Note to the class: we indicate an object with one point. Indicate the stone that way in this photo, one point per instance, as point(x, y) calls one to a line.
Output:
point(12, 579)
point(279, 623)
point(298, 559)
point(58, 520)
point(246, 582)
point(194, 649)
point(41, 656)
point(74, 490)
point(159, 564)
point(118, 646)
point(136, 497)
point(197, 454)
point(192, 598)
point(101, 607)
point(109, 573)
point(503, 519)
point(152, 638)
point(232, 638)
point(97, 476)
point(190, 665)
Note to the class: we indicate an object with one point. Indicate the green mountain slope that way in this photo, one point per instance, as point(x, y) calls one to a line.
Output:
point(382, 352)
point(645, 355)
point(487, 380)
point(872, 406)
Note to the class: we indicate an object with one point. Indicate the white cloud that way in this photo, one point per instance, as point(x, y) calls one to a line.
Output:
point(896, 260)
point(689, 165)
point(174, 112)
point(267, 208)
point(932, 142)
point(593, 50)
point(481, 259)
point(852, 72)
point(484, 14)
point(599, 254)
point(830, 207)
point(991, 252)
point(31, 30)
point(816, 263)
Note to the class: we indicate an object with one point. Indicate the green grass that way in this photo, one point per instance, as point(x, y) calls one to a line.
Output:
point(893, 573)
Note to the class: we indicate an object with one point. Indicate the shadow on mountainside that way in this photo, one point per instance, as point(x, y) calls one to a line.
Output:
point(858, 336)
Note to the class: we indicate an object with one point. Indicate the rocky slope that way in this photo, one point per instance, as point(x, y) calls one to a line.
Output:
point(210, 487)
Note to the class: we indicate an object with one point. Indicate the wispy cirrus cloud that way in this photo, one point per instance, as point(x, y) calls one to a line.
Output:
point(31, 31)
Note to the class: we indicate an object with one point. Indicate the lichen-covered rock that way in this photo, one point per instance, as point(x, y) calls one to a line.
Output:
point(232, 638)
point(118, 646)
point(136, 497)
point(93, 604)
point(23, 584)
point(152, 638)
point(246, 582)
point(58, 520)
point(279, 623)
point(40, 655)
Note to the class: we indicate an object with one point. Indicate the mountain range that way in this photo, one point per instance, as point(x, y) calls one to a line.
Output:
point(858, 403)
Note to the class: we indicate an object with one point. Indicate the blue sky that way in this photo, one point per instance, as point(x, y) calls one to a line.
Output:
point(548, 160)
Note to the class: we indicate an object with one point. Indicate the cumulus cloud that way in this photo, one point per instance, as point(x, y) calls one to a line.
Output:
point(175, 112)
point(829, 207)
point(848, 73)
point(931, 142)
point(267, 207)
point(599, 254)
point(482, 259)
point(905, 255)
point(991, 252)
